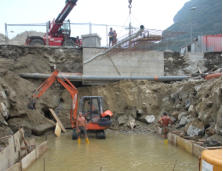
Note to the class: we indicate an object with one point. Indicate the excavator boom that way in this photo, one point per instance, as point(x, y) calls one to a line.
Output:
point(66, 84)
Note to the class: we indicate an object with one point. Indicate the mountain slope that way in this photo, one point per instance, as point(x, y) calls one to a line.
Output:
point(204, 16)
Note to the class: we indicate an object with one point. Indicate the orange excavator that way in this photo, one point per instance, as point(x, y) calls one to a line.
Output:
point(91, 106)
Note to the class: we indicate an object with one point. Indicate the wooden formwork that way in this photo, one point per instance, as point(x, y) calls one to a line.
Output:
point(20, 153)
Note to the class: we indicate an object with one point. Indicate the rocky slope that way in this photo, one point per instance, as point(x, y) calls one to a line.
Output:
point(16, 92)
point(196, 100)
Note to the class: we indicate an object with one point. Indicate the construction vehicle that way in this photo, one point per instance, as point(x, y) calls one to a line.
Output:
point(91, 106)
point(58, 33)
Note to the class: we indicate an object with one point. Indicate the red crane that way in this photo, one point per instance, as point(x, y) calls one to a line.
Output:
point(58, 30)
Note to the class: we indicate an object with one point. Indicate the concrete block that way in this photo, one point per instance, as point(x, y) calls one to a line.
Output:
point(159, 130)
point(197, 150)
point(28, 159)
point(185, 144)
point(172, 138)
point(91, 40)
point(41, 149)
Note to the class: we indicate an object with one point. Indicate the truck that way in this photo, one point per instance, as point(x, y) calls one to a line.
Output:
point(58, 31)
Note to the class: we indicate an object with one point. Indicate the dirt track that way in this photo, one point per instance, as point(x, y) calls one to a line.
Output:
point(197, 102)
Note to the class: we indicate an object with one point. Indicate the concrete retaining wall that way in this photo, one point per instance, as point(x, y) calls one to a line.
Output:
point(187, 145)
point(124, 63)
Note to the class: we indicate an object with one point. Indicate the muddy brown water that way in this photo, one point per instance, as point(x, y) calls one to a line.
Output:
point(119, 152)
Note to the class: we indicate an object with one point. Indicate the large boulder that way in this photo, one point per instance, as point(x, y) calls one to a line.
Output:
point(131, 122)
point(150, 119)
point(214, 140)
point(195, 128)
point(210, 131)
point(123, 119)
point(181, 115)
point(183, 121)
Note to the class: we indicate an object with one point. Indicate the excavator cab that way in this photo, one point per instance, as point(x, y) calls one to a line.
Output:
point(91, 107)
point(97, 120)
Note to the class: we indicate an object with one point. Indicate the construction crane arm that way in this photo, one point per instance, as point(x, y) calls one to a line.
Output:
point(58, 22)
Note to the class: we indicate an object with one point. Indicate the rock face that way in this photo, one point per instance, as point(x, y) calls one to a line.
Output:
point(15, 92)
point(19, 59)
point(187, 101)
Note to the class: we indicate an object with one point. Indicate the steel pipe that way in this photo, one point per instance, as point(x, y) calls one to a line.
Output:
point(74, 77)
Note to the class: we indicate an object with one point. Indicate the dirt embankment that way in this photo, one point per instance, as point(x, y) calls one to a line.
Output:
point(194, 106)
point(15, 92)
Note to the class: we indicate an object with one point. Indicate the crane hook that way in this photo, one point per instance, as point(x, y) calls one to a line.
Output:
point(130, 3)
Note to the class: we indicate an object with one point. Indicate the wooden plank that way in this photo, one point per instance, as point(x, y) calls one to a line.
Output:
point(34, 155)
point(57, 119)
point(57, 130)
point(28, 159)
point(10, 154)
point(213, 148)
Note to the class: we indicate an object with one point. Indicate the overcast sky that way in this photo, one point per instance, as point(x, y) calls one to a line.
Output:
point(153, 14)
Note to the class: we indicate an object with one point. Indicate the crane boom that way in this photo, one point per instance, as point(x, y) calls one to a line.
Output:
point(58, 31)
point(58, 22)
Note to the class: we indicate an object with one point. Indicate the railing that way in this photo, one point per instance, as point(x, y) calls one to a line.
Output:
point(17, 33)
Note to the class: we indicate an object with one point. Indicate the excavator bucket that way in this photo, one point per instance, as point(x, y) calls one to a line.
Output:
point(32, 104)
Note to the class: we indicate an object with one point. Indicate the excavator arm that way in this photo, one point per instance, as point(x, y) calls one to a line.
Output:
point(67, 85)
point(73, 92)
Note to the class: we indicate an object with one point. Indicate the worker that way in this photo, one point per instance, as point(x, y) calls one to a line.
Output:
point(78, 41)
point(165, 121)
point(110, 35)
point(114, 38)
point(81, 128)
